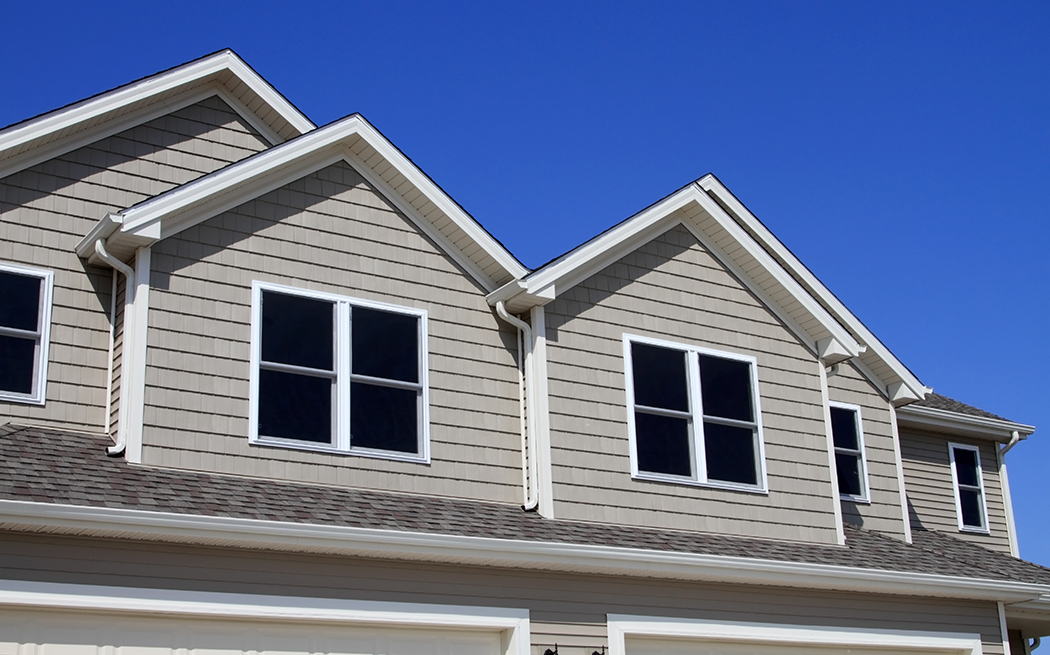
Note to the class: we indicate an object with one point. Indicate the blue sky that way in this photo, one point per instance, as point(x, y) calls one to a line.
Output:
point(901, 150)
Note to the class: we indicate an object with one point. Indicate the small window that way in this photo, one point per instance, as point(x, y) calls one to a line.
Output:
point(850, 465)
point(970, 506)
point(338, 374)
point(694, 415)
point(25, 321)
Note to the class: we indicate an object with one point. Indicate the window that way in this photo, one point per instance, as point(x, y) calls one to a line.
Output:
point(25, 321)
point(850, 465)
point(338, 374)
point(694, 415)
point(970, 508)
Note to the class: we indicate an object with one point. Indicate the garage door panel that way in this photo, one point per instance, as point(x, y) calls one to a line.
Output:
point(712, 647)
point(73, 633)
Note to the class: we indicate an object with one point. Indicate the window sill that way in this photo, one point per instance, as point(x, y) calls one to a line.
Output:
point(972, 530)
point(332, 450)
point(856, 500)
point(711, 484)
point(21, 399)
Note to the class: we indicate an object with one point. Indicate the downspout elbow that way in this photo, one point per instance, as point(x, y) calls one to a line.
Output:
point(1015, 438)
point(532, 500)
point(129, 275)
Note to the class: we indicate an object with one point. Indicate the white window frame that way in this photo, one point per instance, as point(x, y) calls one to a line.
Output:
point(341, 410)
point(42, 335)
point(695, 415)
point(865, 495)
point(984, 529)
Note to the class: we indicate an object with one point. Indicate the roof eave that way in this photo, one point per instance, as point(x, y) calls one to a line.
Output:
point(940, 420)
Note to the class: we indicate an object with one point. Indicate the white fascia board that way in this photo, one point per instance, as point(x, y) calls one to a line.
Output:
point(437, 196)
point(484, 551)
point(941, 420)
point(86, 110)
point(840, 311)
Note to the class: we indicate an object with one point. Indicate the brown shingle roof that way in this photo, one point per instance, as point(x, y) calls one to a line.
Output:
point(937, 401)
point(49, 466)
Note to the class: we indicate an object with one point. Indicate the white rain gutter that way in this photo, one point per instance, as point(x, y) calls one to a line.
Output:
point(129, 297)
point(527, 398)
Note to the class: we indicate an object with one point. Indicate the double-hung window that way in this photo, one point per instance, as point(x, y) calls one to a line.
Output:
point(694, 415)
point(25, 322)
point(850, 464)
point(970, 506)
point(338, 374)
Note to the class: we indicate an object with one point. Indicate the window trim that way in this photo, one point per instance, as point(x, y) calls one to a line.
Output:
point(42, 336)
point(985, 528)
point(699, 477)
point(865, 496)
point(343, 377)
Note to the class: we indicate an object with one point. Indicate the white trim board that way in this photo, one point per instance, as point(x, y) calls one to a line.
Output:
point(484, 551)
point(623, 626)
point(22, 594)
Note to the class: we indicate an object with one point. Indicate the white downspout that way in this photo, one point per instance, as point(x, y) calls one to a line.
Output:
point(129, 293)
point(1004, 483)
point(527, 398)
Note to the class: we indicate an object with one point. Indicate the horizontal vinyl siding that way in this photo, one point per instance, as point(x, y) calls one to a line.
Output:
point(673, 289)
point(332, 232)
point(931, 497)
point(566, 609)
point(884, 512)
point(47, 209)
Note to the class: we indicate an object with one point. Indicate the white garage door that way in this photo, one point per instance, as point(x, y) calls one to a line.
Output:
point(648, 646)
point(45, 632)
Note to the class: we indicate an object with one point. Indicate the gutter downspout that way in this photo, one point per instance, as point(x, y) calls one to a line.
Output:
point(1004, 484)
point(527, 399)
point(129, 293)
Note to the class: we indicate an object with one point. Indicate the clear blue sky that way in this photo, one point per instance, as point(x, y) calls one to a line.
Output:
point(901, 150)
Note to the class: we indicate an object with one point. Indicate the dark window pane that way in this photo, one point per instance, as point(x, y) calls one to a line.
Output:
point(844, 428)
point(16, 364)
point(730, 453)
point(971, 508)
point(966, 467)
point(726, 388)
point(383, 418)
point(659, 377)
point(297, 330)
point(848, 469)
point(19, 301)
point(295, 406)
point(386, 344)
point(663, 444)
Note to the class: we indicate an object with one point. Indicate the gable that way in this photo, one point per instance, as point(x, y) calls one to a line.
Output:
point(768, 273)
point(331, 232)
point(222, 75)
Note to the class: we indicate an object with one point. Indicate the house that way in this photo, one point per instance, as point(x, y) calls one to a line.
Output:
point(266, 388)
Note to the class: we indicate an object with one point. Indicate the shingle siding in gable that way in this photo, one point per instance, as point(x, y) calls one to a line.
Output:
point(884, 512)
point(673, 289)
point(328, 231)
point(931, 497)
point(45, 210)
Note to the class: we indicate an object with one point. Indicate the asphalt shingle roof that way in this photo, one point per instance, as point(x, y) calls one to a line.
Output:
point(50, 466)
point(937, 401)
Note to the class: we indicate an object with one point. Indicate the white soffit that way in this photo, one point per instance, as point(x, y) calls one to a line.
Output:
point(351, 139)
point(939, 420)
point(223, 74)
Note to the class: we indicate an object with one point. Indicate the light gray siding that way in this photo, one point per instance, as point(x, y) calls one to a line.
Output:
point(673, 289)
point(566, 609)
point(329, 231)
point(884, 513)
point(45, 210)
point(931, 497)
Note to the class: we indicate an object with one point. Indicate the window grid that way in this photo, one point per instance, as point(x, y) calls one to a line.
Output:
point(40, 336)
point(857, 453)
point(342, 376)
point(695, 417)
point(959, 487)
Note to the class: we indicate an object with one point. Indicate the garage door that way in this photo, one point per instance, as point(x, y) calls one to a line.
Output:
point(649, 646)
point(46, 632)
